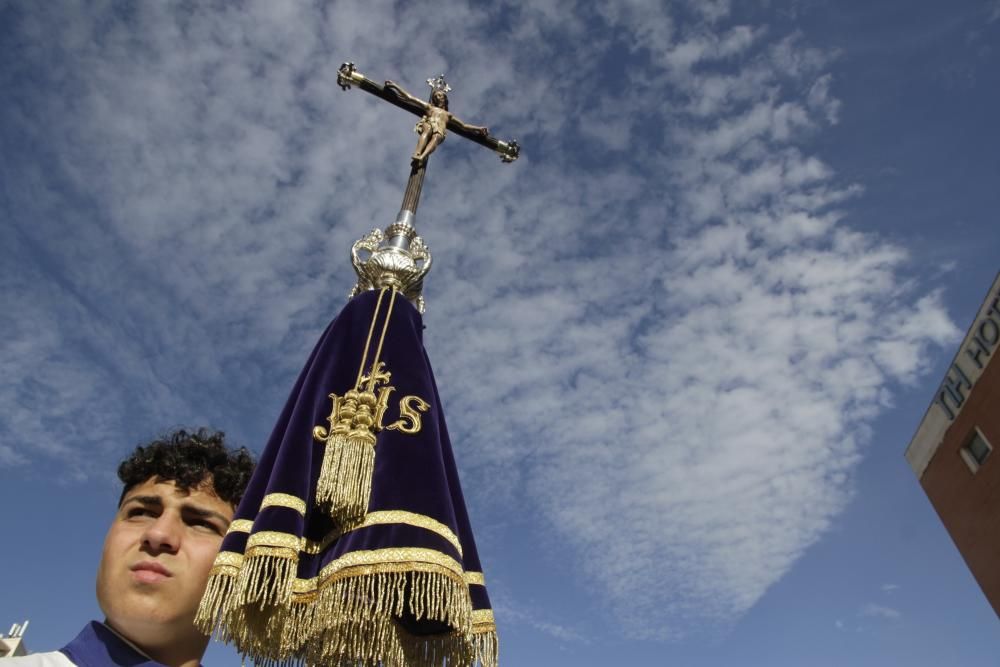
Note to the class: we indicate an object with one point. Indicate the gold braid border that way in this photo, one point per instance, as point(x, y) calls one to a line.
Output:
point(345, 615)
point(377, 518)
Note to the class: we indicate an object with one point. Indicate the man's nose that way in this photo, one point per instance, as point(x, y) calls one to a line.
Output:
point(163, 535)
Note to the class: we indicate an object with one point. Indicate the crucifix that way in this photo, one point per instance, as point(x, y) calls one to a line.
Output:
point(397, 257)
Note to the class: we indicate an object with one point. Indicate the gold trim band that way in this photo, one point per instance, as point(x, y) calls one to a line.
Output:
point(271, 538)
point(387, 556)
point(227, 562)
point(240, 526)
point(378, 559)
point(482, 620)
point(229, 559)
point(305, 590)
point(386, 517)
point(475, 578)
point(284, 500)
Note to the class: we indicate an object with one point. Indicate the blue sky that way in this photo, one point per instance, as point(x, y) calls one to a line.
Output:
point(682, 343)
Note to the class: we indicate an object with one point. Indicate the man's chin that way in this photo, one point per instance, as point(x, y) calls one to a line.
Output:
point(146, 605)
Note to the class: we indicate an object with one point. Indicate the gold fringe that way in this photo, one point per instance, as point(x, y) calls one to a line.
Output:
point(384, 643)
point(376, 596)
point(453, 649)
point(349, 620)
point(487, 648)
point(266, 577)
point(218, 592)
point(263, 632)
point(345, 480)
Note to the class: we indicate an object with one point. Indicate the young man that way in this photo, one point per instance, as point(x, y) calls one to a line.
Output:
point(179, 497)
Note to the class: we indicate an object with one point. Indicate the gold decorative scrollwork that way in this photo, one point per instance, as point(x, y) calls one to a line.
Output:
point(388, 266)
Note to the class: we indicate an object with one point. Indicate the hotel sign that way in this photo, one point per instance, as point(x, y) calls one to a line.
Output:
point(979, 345)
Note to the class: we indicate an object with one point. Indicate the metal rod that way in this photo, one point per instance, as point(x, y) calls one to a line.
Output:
point(411, 198)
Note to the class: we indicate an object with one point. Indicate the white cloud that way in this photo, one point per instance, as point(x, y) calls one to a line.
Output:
point(606, 123)
point(820, 99)
point(712, 10)
point(540, 621)
point(873, 610)
point(668, 354)
point(711, 47)
point(10, 458)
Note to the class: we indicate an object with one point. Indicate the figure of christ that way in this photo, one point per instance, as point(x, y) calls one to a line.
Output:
point(431, 127)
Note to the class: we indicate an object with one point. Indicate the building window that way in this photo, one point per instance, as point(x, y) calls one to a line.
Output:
point(976, 450)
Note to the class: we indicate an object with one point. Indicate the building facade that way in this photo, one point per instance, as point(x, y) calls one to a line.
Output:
point(952, 450)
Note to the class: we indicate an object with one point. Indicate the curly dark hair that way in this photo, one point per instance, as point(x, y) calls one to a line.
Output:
point(188, 459)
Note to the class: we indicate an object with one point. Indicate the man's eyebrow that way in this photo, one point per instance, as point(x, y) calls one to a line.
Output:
point(187, 508)
point(204, 513)
point(144, 500)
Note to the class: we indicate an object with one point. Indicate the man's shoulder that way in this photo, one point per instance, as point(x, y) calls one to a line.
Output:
point(48, 659)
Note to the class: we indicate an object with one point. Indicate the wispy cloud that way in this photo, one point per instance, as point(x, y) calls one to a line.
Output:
point(540, 621)
point(873, 610)
point(657, 334)
point(993, 9)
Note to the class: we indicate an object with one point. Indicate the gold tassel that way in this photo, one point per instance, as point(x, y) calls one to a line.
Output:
point(345, 479)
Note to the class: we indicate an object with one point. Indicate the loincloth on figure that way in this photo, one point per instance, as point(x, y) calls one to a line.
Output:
point(436, 124)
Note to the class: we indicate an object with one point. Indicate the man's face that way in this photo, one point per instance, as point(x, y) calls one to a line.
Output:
point(156, 559)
